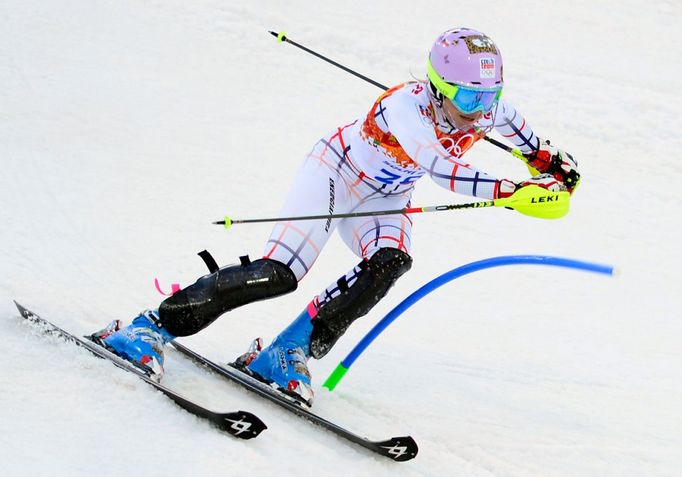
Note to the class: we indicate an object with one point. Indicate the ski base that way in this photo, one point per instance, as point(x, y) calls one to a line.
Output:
point(399, 449)
point(240, 424)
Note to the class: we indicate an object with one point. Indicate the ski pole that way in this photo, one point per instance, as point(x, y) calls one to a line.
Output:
point(533, 201)
point(281, 37)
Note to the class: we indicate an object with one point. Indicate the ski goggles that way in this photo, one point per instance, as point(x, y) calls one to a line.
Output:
point(467, 100)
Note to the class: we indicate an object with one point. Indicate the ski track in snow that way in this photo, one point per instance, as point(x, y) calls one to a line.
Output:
point(127, 127)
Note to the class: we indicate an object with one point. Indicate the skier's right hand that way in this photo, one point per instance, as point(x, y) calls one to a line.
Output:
point(546, 181)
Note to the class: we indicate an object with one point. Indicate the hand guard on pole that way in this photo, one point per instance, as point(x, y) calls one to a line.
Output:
point(557, 162)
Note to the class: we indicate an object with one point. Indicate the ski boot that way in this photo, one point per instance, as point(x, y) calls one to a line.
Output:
point(283, 364)
point(141, 342)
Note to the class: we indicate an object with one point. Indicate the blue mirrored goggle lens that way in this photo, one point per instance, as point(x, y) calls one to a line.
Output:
point(469, 100)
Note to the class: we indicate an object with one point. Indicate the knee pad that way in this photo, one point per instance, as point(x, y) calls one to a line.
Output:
point(194, 308)
point(377, 276)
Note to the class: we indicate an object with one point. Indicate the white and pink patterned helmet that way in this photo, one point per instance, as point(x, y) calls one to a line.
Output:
point(465, 66)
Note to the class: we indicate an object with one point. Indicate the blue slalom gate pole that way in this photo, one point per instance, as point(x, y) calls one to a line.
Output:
point(343, 367)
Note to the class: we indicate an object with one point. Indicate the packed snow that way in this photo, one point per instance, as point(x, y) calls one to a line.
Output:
point(127, 127)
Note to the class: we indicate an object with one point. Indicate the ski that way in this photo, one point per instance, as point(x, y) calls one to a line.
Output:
point(240, 424)
point(399, 449)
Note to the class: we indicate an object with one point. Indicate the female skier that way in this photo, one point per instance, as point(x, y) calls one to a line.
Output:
point(413, 129)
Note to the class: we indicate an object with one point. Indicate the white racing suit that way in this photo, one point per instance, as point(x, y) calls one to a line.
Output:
point(373, 164)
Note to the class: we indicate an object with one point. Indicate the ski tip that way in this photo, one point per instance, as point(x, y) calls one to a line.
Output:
point(22, 309)
point(241, 424)
point(400, 449)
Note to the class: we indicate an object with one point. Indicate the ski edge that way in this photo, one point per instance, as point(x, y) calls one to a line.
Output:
point(239, 424)
point(399, 449)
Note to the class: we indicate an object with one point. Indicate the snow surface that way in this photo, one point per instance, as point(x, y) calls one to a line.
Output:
point(127, 127)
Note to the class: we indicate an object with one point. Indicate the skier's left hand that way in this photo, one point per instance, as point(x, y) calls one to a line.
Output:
point(557, 162)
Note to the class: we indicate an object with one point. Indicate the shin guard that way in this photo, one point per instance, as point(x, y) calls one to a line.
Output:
point(194, 308)
point(376, 277)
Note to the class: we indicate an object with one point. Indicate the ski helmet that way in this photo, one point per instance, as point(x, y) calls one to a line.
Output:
point(465, 66)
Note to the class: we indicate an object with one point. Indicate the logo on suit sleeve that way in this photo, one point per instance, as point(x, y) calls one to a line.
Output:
point(425, 115)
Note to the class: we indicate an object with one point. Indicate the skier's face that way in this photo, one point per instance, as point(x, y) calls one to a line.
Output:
point(462, 121)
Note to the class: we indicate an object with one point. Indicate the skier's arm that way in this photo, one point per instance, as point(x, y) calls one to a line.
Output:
point(512, 126)
point(538, 152)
